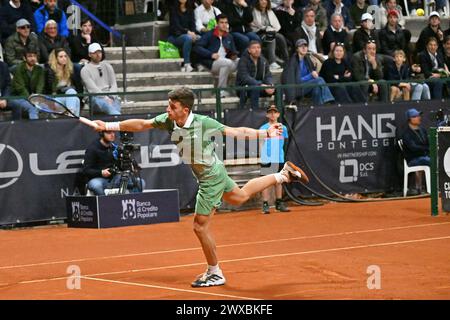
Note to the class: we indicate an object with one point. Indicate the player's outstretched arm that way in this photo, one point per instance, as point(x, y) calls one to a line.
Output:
point(250, 133)
point(132, 125)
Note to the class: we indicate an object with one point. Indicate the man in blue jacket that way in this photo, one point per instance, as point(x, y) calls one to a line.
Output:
point(50, 11)
point(217, 52)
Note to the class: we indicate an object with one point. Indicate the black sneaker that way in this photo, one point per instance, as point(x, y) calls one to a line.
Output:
point(281, 206)
point(265, 208)
point(209, 279)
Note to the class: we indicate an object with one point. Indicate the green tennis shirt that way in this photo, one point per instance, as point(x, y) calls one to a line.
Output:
point(194, 141)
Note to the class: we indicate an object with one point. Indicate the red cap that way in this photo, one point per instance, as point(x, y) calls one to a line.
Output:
point(392, 13)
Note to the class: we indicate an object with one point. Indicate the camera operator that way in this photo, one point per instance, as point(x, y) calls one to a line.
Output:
point(100, 166)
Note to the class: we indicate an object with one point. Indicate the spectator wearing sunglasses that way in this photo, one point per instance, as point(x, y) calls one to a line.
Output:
point(11, 12)
point(18, 43)
point(98, 77)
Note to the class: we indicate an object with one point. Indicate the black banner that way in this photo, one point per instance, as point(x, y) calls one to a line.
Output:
point(352, 149)
point(444, 168)
point(39, 161)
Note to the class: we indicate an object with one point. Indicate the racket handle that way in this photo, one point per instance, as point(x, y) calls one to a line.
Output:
point(88, 122)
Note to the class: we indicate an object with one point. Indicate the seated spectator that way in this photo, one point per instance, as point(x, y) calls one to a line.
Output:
point(240, 16)
point(388, 6)
point(10, 13)
point(416, 147)
point(49, 40)
point(432, 64)
point(368, 66)
point(205, 16)
point(60, 79)
point(217, 51)
point(290, 20)
point(392, 37)
point(18, 43)
point(337, 6)
point(80, 43)
point(337, 69)
point(266, 25)
point(310, 32)
point(365, 33)
point(335, 33)
point(447, 52)
point(50, 11)
point(253, 70)
point(182, 30)
point(29, 78)
point(301, 70)
point(321, 16)
point(5, 91)
point(398, 69)
point(433, 30)
point(98, 77)
point(357, 9)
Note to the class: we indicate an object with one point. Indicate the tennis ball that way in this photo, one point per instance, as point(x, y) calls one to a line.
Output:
point(420, 12)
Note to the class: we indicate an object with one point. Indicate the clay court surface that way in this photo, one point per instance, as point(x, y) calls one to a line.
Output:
point(309, 253)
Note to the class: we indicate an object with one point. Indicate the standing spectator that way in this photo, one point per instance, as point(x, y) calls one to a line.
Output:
point(368, 66)
point(80, 43)
point(392, 37)
point(388, 6)
point(240, 17)
point(253, 70)
point(217, 51)
point(337, 69)
point(272, 160)
point(358, 8)
point(336, 6)
point(335, 33)
point(433, 30)
point(50, 11)
point(301, 70)
point(431, 63)
point(49, 40)
point(321, 16)
point(266, 25)
point(398, 69)
point(98, 77)
point(365, 33)
point(18, 43)
point(205, 16)
point(182, 30)
point(310, 32)
point(60, 79)
point(290, 20)
point(5, 91)
point(29, 78)
point(10, 13)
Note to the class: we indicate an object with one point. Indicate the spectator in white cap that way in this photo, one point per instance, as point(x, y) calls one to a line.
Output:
point(433, 30)
point(365, 33)
point(98, 77)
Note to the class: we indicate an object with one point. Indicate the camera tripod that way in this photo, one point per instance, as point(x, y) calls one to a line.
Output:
point(125, 177)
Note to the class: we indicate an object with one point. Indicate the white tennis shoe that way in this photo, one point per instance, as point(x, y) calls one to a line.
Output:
point(208, 279)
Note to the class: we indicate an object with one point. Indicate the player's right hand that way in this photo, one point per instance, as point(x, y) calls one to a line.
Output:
point(101, 125)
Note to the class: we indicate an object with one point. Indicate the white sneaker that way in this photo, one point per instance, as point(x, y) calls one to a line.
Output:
point(293, 173)
point(187, 68)
point(202, 68)
point(208, 279)
point(275, 66)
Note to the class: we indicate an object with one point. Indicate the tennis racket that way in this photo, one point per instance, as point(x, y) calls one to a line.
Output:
point(49, 105)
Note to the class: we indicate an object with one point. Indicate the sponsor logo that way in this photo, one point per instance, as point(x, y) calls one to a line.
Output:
point(75, 211)
point(133, 209)
point(81, 212)
point(350, 170)
point(446, 162)
point(6, 154)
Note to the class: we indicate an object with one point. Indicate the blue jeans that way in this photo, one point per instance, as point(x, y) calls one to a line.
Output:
point(420, 91)
point(20, 105)
point(243, 39)
point(420, 161)
point(320, 94)
point(72, 103)
point(100, 104)
point(98, 185)
point(184, 42)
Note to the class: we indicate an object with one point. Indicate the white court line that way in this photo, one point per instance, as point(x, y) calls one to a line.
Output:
point(223, 246)
point(383, 244)
point(167, 288)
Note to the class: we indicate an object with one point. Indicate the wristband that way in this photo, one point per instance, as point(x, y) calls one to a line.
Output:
point(112, 126)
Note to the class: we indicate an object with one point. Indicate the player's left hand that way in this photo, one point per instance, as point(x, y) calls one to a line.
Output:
point(275, 130)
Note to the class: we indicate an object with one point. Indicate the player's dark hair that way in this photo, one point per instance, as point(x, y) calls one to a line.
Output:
point(183, 95)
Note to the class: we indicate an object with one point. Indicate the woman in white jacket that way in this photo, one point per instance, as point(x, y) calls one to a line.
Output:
point(266, 25)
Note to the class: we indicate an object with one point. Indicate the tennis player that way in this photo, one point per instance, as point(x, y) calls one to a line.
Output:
point(188, 128)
